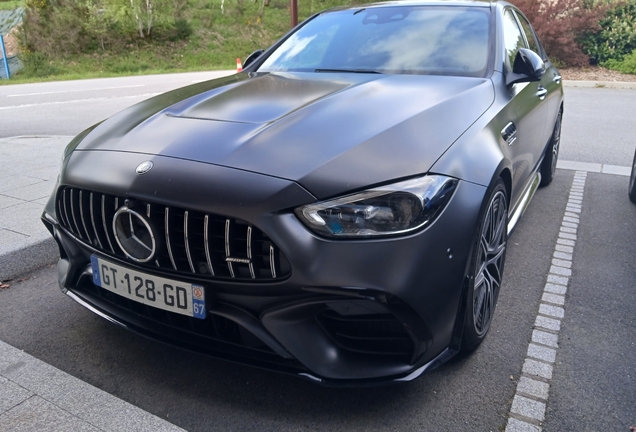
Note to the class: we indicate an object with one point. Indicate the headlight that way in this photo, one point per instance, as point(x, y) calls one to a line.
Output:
point(387, 210)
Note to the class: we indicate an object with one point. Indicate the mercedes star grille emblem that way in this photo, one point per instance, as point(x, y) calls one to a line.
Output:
point(134, 235)
point(144, 167)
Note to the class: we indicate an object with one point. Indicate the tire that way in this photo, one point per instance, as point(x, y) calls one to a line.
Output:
point(486, 269)
point(632, 182)
point(548, 166)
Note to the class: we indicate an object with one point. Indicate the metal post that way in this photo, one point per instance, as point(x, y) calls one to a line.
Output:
point(293, 11)
point(4, 56)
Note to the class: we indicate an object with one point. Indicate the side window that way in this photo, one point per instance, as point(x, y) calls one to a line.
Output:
point(532, 40)
point(513, 39)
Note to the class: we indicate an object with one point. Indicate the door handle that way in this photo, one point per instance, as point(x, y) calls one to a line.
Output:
point(542, 92)
point(557, 79)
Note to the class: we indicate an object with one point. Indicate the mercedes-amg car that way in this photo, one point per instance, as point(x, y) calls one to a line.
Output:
point(339, 210)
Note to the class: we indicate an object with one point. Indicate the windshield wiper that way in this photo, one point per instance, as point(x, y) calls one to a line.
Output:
point(369, 71)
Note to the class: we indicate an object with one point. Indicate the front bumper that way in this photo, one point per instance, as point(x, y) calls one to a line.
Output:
point(346, 312)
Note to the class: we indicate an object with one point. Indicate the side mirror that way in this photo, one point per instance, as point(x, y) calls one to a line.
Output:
point(528, 67)
point(252, 57)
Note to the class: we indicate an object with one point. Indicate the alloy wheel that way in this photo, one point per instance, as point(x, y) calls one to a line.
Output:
point(489, 263)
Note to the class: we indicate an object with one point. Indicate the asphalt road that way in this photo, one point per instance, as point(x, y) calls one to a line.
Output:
point(594, 384)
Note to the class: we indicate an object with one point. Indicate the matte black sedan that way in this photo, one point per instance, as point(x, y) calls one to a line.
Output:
point(338, 211)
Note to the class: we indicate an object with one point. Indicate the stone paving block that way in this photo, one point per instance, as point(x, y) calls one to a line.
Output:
point(567, 236)
point(583, 166)
point(545, 338)
point(563, 248)
point(23, 218)
point(553, 298)
point(542, 353)
point(528, 408)
point(562, 263)
point(47, 173)
point(555, 289)
point(548, 323)
point(616, 170)
point(562, 255)
point(9, 237)
point(566, 229)
point(13, 182)
point(538, 389)
point(560, 271)
point(559, 280)
point(551, 311)
point(37, 414)
point(32, 192)
point(75, 397)
point(535, 367)
point(11, 394)
point(31, 253)
point(515, 425)
point(7, 201)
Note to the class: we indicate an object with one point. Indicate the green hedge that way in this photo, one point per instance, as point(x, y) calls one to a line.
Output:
point(617, 37)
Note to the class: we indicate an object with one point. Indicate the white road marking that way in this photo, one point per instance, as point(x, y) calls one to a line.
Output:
point(144, 95)
point(531, 397)
point(594, 167)
point(74, 91)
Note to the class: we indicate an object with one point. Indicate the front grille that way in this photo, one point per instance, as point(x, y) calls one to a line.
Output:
point(372, 334)
point(188, 242)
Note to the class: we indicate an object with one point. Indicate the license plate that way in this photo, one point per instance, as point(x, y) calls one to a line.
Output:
point(167, 294)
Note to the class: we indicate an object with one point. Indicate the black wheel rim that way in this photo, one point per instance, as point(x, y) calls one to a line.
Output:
point(556, 141)
point(489, 263)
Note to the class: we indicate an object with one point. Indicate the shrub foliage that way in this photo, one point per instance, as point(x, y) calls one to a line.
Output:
point(560, 24)
point(617, 37)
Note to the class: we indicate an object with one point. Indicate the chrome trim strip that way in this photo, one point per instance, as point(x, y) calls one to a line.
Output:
point(523, 204)
point(90, 204)
point(185, 239)
point(272, 261)
point(116, 203)
point(93, 309)
point(227, 247)
point(79, 234)
point(112, 249)
point(167, 217)
point(207, 245)
point(249, 251)
point(81, 206)
point(148, 210)
point(68, 221)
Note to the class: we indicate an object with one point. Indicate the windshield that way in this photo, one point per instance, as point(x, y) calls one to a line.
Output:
point(402, 39)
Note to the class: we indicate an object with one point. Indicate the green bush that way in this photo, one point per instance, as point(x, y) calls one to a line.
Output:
point(627, 65)
point(36, 65)
point(617, 37)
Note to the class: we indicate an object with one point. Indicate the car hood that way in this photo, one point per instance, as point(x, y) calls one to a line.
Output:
point(330, 132)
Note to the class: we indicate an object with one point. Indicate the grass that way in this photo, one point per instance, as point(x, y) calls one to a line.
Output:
point(12, 4)
point(217, 39)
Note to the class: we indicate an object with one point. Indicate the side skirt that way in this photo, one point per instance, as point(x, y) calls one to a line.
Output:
point(523, 204)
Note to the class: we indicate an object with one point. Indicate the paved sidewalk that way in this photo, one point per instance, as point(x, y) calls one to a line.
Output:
point(35, 396)
point(30, 166)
